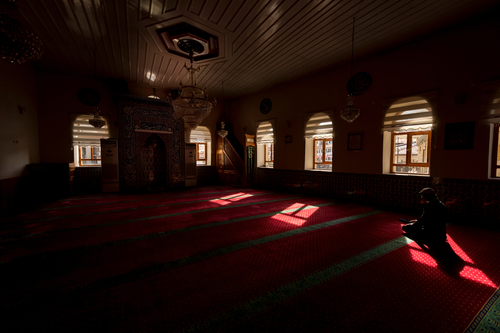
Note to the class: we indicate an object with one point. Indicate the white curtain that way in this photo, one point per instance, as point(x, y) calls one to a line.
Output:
point(491, 100)
point(319, 126)
point(409, 114)
point(201, 135)
point(265, 133)
point(85, 134)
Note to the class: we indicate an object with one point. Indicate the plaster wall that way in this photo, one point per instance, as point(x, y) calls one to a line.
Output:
point(57, 100)
point(18, 131)
point(460, 60)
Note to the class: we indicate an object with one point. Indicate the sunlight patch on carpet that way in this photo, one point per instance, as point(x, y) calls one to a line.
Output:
point(231, 198)
point(420, 256)
point(297, 217)
point(469, 272)
point(290, 219)
point(476, 275)
point(458, 250)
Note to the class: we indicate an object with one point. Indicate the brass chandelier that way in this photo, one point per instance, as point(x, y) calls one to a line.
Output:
point(192, 105)
point(350, 113)
point(97, 121)
point(358, 84)
point(223, 132)
point(17, 44)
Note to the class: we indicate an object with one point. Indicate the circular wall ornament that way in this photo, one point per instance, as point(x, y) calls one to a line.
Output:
point(265, 106)
point(88, 96)
point(359, 83)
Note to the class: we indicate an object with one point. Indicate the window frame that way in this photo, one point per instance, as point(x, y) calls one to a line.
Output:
point(408, 153)
point(80, 159)
point(495, 152)
point(324, 154)
point(198, 144)
point(266, 161)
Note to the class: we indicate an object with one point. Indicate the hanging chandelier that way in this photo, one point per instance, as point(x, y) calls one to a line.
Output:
point(97, 121)
point(358, 84)
point(192, 105)
point(222, 132)
point(18, 45)
point(350, 113)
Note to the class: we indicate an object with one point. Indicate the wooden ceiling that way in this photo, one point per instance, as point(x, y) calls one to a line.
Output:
point(262, 43)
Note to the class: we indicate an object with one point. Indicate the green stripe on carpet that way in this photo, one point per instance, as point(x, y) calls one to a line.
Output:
point(203, 226)
point(77, 250)
point(488, 319)
point(155, 217)
point(141, 273)
point(135, 200)
point(134, 208)
point(259, 304)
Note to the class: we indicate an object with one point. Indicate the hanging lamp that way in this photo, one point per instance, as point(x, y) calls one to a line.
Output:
point(97, 121)
point(192, 105)
point(222, 132)
point(358, 84)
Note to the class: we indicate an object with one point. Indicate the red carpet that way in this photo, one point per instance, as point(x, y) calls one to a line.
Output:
point(203, 261)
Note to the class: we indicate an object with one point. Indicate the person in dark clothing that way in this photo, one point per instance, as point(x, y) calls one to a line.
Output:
point(430, 228)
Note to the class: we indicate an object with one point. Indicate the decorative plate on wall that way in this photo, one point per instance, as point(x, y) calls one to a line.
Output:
point(265, 106)
point(359, 83)
point(89, 96)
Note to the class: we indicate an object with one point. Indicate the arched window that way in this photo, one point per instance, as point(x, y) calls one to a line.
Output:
point(495, 150)
point(319, 143)
point(407, 136)
point(491, 98)
point(203, 139)
point(87, 141)
point(265, 142)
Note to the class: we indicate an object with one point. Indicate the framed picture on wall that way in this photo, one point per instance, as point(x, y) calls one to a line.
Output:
point(459, 135)
point(355, 141)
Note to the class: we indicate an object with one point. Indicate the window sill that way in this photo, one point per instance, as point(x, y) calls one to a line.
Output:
point(406, 174)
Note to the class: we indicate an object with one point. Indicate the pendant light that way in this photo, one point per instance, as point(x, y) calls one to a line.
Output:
point(358, 84)
point(97, 121)
point(222, 132)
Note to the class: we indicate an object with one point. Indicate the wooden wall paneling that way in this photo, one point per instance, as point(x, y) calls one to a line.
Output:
point(77, 32)
point(155, 69)
point(142, 59)
point(239, 16)
point(162, 70)
point(170, 5)
point(123, 36)
point(282, 48)
point(133, 42)
point(39, 21)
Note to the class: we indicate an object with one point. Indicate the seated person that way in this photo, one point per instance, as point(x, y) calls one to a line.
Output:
point(430, 228)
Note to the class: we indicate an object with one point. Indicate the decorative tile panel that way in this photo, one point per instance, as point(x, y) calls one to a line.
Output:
point(137, 113)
